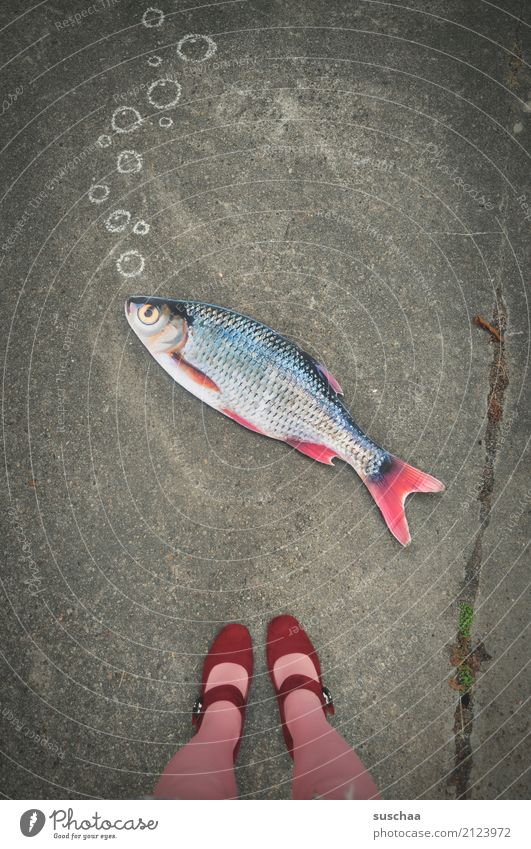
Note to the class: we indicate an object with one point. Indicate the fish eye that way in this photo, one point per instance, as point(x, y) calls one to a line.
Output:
point(148, 314)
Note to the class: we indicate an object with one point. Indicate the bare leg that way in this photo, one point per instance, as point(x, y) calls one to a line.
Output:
point(325, 766)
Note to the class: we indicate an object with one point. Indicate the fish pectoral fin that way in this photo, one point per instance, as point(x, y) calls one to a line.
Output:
point(194, 373)
point(312, 449)
point(243, 422)
point(330, 378)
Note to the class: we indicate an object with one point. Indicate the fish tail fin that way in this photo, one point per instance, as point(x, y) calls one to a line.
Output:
point(390, 490)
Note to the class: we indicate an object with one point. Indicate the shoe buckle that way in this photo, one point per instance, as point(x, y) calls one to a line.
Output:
point(328, 700)
point(197, 709)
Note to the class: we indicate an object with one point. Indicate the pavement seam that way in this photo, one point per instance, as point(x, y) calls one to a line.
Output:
point(465, 657)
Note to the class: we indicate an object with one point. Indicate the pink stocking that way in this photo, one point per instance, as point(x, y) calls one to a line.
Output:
point(325, 766)
point(204, 768)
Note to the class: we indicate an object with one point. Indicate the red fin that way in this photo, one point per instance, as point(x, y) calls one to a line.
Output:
point(330, 378)
point(312, 449)
point(242, 421)
point(195, 374)
point(392, 489)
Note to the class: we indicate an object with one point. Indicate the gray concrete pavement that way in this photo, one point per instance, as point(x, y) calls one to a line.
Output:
point(356, 176)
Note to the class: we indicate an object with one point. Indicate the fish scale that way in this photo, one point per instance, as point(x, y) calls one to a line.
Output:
point(304, 408)
point(268, 384)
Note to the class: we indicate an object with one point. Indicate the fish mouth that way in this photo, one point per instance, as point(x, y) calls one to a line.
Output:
point(132, 303)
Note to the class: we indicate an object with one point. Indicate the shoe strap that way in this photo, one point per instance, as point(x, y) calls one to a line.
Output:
point(221, 693)
point(302, 682)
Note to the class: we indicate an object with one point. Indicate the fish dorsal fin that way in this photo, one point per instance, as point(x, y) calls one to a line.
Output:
point(333, 383)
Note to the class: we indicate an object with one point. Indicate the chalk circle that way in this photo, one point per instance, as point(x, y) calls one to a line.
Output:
point(141, 228)
point(104, 141)
point(118, 220)
point(153, 17)
point(195, 40)
point(98, 193)
point(125, 119)
point(130, 263)
point(129, 162)
point(164, 93)
point(165, 121)
point(155, 61)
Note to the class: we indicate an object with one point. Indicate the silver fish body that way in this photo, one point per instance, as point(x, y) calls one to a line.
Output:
point(260, 379)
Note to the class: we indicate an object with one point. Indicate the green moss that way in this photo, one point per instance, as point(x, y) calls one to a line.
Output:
point(466, 676)
point(466, 617)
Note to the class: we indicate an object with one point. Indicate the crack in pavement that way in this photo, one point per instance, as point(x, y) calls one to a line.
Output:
point(464, 654)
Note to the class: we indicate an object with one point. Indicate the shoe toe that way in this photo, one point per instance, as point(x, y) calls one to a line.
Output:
point(282, 627)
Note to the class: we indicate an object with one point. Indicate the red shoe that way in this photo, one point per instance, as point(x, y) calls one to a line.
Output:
point(233, 644)
point(286, 636)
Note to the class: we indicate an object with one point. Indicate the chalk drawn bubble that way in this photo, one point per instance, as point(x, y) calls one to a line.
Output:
point(118, 220)
point(104, 141)
point(125, 119)
point(153, 17)
point(141, 228)
point(155, 61)
point(196, 48)
point(164, 93)
point(165, 122)
point(98, 193)
point(129, 162)
point(130, 264)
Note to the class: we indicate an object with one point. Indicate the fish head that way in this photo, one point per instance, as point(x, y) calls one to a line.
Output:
point(157, 323)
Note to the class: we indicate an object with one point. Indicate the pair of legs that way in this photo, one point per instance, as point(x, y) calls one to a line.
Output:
point(324, 765)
